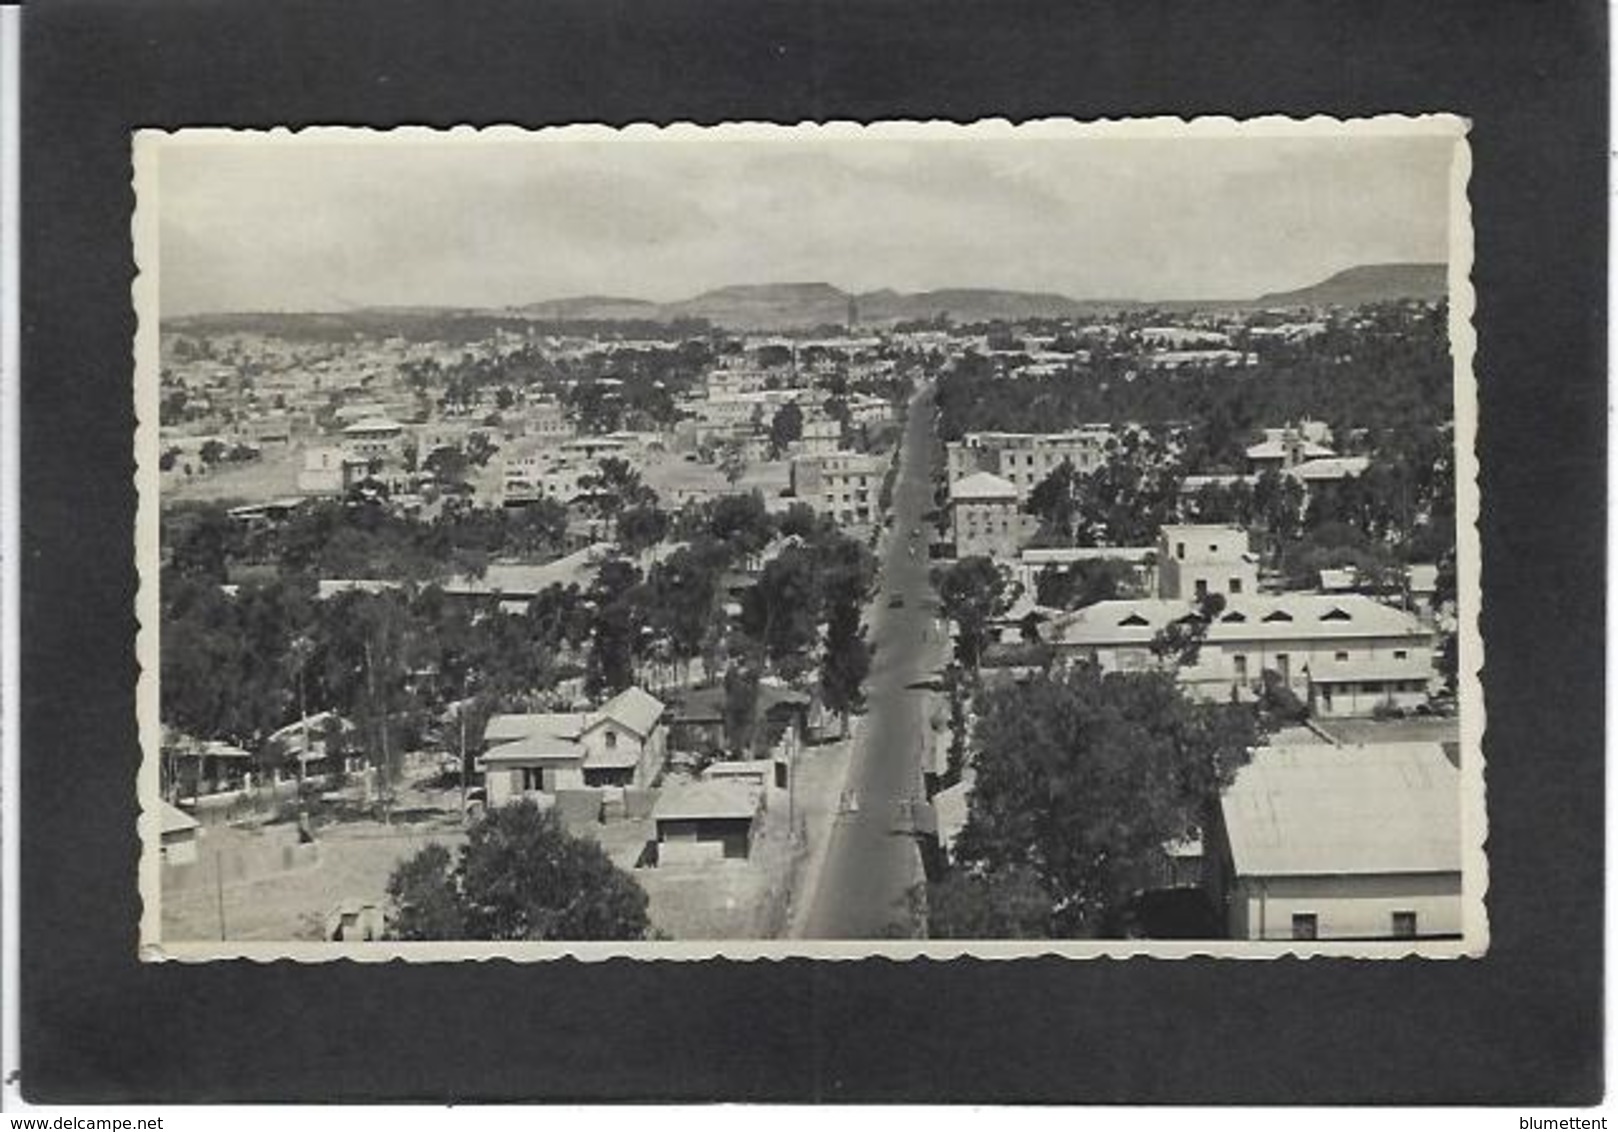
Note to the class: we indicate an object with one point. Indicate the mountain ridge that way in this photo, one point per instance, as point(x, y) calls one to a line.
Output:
point(807, 304)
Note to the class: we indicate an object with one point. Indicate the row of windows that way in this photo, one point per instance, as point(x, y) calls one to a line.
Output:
point(1306, 925)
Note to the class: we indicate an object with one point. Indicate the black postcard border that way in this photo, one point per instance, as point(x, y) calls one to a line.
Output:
point(1522, 1025)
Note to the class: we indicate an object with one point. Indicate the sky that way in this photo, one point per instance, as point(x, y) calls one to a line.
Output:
point(305, 222)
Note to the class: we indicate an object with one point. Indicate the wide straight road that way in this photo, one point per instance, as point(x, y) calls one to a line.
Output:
point(872, 860)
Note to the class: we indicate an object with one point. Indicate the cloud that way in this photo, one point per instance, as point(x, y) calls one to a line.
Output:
point(297, 222)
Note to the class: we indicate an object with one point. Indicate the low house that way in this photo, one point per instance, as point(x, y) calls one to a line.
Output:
point(177, 836)
point(705, 821)
point(317, 743)
point(194, 767)
point(621, 743)
point(1316, 841)
point(1345, 654)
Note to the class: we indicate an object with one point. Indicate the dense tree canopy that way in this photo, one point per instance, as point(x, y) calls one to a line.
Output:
point(1083, 778)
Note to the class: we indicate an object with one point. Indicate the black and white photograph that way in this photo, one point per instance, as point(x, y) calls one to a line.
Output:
point(895, 539)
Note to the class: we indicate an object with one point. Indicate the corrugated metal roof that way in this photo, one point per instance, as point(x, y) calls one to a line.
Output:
point(1324, 810)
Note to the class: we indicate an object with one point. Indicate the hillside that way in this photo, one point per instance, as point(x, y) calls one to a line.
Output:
point(591, 308)
point(976, 304)
point(1371, 283)
point(765, 306)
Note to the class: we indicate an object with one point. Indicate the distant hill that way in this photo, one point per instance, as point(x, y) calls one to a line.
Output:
point(1371, 283)
point(765, 306)
point(591, 308)
point(977, 304)
point(802, 306)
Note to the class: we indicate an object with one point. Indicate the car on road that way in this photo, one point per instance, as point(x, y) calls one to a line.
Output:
point(897, 601)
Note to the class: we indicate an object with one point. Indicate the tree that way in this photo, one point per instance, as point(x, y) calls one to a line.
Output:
point(740, 522)
point(1006, 904)
point(846, 661)
point(427, 903)
point(537, 529)
point(448, 465)
point(212, 452)
point(1083, 778)
point(615, 629)
point(1180, 641)
point(520, 876)
point(732, 461)
point(641, 527)
point(1085, 583)
point(972, 593)
point(616, 487)
point(785, 427)
point(479, 448)
point(741, 706)
point(781, 611)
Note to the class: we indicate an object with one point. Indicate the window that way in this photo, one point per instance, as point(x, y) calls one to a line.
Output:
point(1400, 654)
point(612, 739)
point(1305, 925)
point(1179, 551)
point(1283, 665)
point(1213, 548)
point(1202, 588)
point(1341, 655)
point(1133, 620)
point(1278, 615)
point(1404, 925)
point(1335, 614)
point(1235, 585)
point(533, 778)
point(1373, 686)
point(1240, 661)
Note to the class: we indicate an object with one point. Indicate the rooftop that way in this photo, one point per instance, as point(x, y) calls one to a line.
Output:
point(1288, 616)
point(981, 485)
point(692, 801)
point(1324, 810)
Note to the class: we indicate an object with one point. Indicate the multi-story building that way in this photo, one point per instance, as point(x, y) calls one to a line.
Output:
point(984, 517)
point(732, 381)
point(1025, 459)
point(330, 471)
point(546, 420)
point(1344, 654)
point(375, 438)
point(843, 485)
point(1194, 561)
point(822, 436)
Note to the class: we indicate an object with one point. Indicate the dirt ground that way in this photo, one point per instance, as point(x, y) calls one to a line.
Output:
point(355, 860)
point(273, 476)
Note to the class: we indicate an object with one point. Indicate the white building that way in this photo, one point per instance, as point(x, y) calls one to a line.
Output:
point(844, 485)
point(375, 438)
point(329, 471)
point(1026, 459)
point(1343, 653)
point(1194, 560)
point(619, 744)
point(822, 436)
point(1323, 842)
